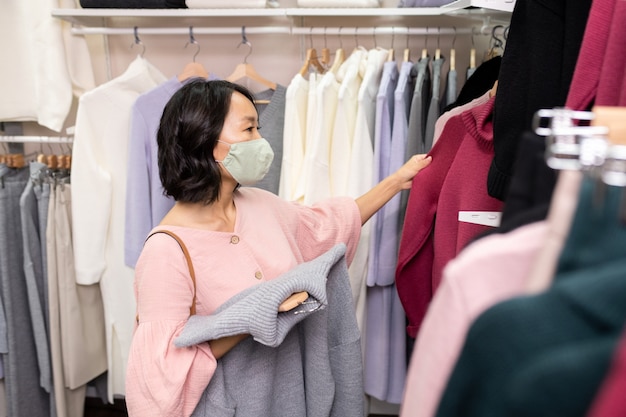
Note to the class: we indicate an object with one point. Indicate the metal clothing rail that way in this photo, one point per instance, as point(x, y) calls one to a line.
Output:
point(339, 31)
point(36, 139)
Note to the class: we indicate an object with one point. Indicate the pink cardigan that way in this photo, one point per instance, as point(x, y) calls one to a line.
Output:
point(271, 237)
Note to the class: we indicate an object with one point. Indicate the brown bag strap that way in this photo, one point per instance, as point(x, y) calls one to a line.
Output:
point(192, 309)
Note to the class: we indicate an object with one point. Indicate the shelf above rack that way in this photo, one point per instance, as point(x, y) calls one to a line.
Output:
point(96, 17)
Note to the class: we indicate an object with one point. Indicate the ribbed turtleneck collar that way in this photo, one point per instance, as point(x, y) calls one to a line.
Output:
point(479, 123)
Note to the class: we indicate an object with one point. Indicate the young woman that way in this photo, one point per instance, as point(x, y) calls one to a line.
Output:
point(210, 151)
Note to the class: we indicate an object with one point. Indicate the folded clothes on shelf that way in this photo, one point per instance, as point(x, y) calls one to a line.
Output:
point(424, 3)
point(229, 4)
point(339, 3)
point(126, 4)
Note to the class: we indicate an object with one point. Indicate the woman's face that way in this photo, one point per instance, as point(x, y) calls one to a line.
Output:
point(241, 125)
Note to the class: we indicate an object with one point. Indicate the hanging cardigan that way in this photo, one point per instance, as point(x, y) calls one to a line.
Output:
point(455, 181)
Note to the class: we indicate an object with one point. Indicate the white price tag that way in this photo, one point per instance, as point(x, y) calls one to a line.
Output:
point(486, 218)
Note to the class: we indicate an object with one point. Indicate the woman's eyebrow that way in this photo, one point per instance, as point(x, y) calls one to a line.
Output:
point(250, 119)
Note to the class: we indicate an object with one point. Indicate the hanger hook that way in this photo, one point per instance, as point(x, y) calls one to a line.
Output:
point(137, 41)
point(393, 34)
point(339, 36)
point(408, 32)
point(374, 37)
point(438, 35)
point(497, 42)
point(311, 37)
point(325, 40)
point(454, 38)
point(425, 39)
point(245, 41)
point(506, 33)
point(193, 41)
point(356, 37)
point(473, 46)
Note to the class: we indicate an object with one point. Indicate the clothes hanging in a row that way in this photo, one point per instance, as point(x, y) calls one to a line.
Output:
point(121, 194)
point(345, 130)
point(506, 279)
point(54, 329)
point(543, 84)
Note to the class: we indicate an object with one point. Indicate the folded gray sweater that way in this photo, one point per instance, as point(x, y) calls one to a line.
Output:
point(254, 311)
point(305, 364)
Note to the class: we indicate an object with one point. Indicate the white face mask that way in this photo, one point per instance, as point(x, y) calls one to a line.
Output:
point(249, 161)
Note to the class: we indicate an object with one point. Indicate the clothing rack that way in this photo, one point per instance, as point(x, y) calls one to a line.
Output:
point(339, 31)
point(36, 139)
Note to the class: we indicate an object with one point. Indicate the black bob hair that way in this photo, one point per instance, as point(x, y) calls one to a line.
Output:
point(190, 127)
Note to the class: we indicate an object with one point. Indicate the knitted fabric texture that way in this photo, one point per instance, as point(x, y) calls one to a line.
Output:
point(585, 304)
point(536, 71)
point(317, 369)
point(255, 310)
point(432, 234)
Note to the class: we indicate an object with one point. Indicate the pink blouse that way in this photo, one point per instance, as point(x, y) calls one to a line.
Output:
point(271, 236)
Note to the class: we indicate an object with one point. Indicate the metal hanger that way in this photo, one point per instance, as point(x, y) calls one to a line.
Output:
point(138, 41)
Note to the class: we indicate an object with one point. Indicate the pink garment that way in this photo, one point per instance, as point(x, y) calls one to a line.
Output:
point(613, 73)
point(562, 209)
point(491, 269)
point(443, 119)
point(271, 236)
point(610, 401)
point(454, 181)
point(584, 86)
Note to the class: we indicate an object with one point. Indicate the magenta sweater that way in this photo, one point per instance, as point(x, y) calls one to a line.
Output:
point(455, 181)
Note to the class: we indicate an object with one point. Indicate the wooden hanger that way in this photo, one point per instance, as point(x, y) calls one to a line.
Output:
point(193, 69)
point(340, 57)
point(407, 51)
point(311, 61)
point(453, 53)
point(452, 59)
point(246, 70)
point(494, 89)
point(390, 51)
point(17, 160)
point(425, 49)
point(615, 119)
point(325, 61)
point(438, 50)
point(497, 44)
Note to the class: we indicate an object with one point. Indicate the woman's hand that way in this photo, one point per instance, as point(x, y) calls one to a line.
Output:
point(370, 202)
point(409, 170)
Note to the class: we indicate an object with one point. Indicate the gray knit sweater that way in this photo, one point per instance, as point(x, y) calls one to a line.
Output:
point(301, 363)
